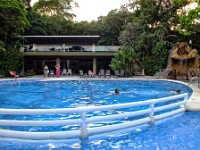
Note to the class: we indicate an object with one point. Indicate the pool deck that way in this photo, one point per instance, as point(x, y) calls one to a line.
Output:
point(194, 101)
point(192, 105)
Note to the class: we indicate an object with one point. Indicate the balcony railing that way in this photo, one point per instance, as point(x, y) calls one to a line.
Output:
point(49, 48)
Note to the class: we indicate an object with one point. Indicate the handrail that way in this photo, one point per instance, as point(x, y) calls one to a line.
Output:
point(84, 131)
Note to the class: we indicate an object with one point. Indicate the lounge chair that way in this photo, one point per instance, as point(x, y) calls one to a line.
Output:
point(14, 74)
point(117, 74)
point(102, 73)
point(108, 74)
point(81, 74)
point(21, 74)
point(122, 72)
point(69, 72)
point(64, 72)
point(51, 73)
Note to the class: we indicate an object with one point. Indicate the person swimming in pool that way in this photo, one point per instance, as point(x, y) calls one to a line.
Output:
point(117, 91)
point(176, 92)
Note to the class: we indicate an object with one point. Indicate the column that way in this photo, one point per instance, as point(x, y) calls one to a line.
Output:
point(94, 65)
point(68, 64)
point(34, 47)
point(93, 48)
point(58, 61)
point(63, 47)
point(43, 62)
point(64, 66)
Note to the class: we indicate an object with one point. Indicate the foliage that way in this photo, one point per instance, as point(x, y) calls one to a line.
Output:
point(11, 60)
point(13, 19)
point(124, 59)
point(2, 49)
point(55, 7)
point(13, 23)
point(38, 24)
point(55, 17)
point(118, 62)
point(157, 60)
point(143, 27)
point(153, 24)
point(111, 25)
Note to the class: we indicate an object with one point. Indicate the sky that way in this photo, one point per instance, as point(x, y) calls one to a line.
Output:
point(91, 9)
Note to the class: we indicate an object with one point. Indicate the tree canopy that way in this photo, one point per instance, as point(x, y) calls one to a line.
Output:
point(55, 7)
point(145, 28)
point(156, 23)
point(13, 19)
point(13, 23)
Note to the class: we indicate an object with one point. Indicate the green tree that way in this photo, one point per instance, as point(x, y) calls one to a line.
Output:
point(56, 10)
point(124, 60)
point(13, 19)
point(55, 7)
point(11, 60)
point(13, 23)
point(111, 25)
point(38, 24)
point(153, 24)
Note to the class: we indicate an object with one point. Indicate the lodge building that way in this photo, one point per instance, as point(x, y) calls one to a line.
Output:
point(70, 52)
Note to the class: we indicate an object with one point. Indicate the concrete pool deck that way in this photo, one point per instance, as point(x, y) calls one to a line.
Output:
point(192, 105)
point(194, 101)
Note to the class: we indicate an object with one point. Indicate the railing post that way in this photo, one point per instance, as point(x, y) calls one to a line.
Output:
point(151, 114)
point(185, 100)
point(83, 126)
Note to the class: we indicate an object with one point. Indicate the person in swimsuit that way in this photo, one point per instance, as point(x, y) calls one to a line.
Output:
point(46, 71)
point(57, 70)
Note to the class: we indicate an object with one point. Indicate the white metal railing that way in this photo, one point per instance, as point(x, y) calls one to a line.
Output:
point(85, 131)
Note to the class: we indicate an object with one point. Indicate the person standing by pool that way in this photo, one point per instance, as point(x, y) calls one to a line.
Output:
point(46, 71)
point(57, 70)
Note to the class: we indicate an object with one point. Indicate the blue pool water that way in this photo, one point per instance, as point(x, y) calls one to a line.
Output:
point(62, 94)
point(175, 133)
point(178, 133)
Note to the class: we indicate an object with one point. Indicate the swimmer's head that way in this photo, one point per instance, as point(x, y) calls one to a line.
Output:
point(117, 91)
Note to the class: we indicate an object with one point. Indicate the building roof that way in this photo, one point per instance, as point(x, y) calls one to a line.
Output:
point(54, 39)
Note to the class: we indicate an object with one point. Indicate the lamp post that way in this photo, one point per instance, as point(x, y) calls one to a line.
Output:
point(190, 43)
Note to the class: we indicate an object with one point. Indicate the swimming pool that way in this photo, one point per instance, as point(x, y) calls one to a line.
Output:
point(38, 94)
point(61, 94)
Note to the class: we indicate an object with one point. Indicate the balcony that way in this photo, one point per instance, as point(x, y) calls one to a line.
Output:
point(68, 50)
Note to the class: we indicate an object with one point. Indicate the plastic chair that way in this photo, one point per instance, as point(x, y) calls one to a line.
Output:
point(117, 74)
point(64, 72)
point(102, 73)
point(51, 73)
point(108, 74)
point(69, 72)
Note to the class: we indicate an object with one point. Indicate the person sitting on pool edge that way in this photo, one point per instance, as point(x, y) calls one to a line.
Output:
point(176, 92)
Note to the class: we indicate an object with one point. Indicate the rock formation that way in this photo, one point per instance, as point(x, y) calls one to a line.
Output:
point(182, 57)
